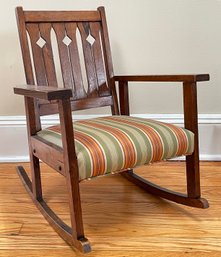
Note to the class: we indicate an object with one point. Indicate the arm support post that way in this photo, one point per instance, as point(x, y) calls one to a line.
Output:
point(124, 98)
point(191, 123)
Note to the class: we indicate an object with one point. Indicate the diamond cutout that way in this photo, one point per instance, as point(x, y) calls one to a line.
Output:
point(90, 39)
point(66, 40)
point(41, 42)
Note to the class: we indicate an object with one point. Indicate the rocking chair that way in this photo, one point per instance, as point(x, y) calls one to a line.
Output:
point(94, 147)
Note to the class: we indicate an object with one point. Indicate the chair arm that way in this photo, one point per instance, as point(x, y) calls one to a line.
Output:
point(163, 78)
point(43, 92)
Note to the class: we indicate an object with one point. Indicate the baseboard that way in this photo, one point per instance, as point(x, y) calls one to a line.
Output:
point(14, 147)
point(10, 159)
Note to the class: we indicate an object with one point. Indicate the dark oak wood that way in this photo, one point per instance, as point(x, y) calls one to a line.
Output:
point(83, 46)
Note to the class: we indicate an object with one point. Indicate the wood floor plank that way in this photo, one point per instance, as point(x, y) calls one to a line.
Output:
point(71, 253)
point(120, 219)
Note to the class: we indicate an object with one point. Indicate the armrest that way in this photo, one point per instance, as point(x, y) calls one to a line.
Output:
point(43, 92)
point(163, 78)
point(189, 86)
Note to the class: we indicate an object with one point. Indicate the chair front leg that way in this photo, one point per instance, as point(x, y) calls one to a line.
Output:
point(72, 176)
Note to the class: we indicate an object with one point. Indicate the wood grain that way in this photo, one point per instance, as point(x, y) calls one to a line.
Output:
point(119, 218)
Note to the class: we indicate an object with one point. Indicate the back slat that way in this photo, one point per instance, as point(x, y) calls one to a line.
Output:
point(66, 68)
point(34, 34)
point(45, 30)
point(98, 58)
point(89, 60)
point(75, 61)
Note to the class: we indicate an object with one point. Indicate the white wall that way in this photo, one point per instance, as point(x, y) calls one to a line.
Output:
point(147, 37)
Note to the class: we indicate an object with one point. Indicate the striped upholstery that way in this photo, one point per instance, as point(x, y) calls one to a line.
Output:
point(111, 144)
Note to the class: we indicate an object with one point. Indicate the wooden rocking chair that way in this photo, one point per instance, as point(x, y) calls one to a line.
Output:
point(94, 147)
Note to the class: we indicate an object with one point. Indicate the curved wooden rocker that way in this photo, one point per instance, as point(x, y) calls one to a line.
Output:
point(163, 192)
point(43, 97)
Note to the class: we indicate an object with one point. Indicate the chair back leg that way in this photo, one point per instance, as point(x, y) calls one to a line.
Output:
point(191, 123)
point(193, 175)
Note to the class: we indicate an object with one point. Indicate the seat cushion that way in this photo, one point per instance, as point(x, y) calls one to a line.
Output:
point(115, 143)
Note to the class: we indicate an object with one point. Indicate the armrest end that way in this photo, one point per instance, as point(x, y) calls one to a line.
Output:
point(202, 77)
point(43, 92)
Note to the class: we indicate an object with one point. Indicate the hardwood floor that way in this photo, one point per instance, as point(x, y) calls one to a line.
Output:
point(119, 218)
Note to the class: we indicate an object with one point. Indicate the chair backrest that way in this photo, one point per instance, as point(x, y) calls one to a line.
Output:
point(83, 49)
